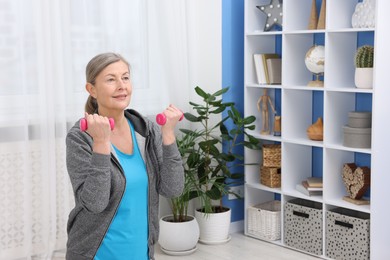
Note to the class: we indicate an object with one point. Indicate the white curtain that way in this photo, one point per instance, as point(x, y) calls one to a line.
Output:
point(44, 48)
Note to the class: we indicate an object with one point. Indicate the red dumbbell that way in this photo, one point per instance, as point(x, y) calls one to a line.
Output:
point(161, 119)
point(84, 124)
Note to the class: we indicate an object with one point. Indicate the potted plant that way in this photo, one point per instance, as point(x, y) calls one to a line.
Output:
point(213, 165)
point(364, 62)
point(179, 232)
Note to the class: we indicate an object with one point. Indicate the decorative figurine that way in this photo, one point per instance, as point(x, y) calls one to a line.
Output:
point(262, 106)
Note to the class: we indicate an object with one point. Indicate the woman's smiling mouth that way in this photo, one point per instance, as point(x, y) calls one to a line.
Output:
point(121, 97)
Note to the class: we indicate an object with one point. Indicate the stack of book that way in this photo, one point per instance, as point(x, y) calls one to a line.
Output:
point(268, 68)
point(312, 186)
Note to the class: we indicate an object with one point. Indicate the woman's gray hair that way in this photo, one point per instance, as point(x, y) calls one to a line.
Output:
point(94, 67)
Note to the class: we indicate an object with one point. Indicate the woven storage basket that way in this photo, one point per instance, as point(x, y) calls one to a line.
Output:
point(272, 155)
point(270, 176)
point(264, 220)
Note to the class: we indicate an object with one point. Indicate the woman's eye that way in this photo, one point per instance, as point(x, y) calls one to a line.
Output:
point(111, 80)
point(126, 78)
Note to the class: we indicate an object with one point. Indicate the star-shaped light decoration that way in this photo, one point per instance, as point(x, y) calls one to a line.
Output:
point(274, 13)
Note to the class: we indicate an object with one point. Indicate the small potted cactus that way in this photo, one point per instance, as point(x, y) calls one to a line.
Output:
point(364, 62)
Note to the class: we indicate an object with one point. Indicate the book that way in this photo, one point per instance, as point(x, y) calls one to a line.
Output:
point(265, 57)
point(314, 182)
point(306, 185)
point(274, 69)
point(260, 60)
point(299, 187)
point(259, 68)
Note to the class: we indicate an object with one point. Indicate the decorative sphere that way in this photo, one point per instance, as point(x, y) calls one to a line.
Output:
point(315, 59)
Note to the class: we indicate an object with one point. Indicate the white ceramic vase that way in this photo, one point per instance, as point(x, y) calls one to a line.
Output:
point(214, 227)
point(178, 238)
point(363, 77)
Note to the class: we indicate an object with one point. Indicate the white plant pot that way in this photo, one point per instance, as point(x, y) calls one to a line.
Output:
point(178, 238)
point(363, 77)
point(214, 227)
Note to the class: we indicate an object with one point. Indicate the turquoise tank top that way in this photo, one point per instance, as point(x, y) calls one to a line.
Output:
point(127, 236)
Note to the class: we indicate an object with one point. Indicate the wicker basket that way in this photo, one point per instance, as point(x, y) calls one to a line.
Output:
point(270, 176)
point(264, 220)
point(272, 155)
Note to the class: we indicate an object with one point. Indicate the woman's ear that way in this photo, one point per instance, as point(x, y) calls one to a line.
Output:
point(91, 89)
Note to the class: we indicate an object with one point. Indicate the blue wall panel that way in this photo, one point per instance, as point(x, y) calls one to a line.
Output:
point(233, 73)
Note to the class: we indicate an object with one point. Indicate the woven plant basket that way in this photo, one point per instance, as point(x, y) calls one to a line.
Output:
point(270, 176)
point(264, 220)
point(272, 155)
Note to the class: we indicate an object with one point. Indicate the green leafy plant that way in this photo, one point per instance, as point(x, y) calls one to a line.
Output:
point(179, 205)
point(208, 166)
point(364, 57)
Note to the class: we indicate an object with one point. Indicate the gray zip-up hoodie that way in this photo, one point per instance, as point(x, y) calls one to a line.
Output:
point(98, 183)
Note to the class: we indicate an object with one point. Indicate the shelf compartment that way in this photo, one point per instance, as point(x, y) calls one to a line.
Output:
point(302, 161)
point(255, 19)
point(255, 196)
point(295, 47)
point(254, 161)
point(340, 57)
point(339, 60)
point(301, 109)
point(256, 45)
point(333, 181)
point(337, 107)
point(252, 96)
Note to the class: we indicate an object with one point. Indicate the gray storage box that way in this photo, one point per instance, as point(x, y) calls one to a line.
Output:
point(303, 225)
point(359, 119)
point(347, 234)
point(357, 137)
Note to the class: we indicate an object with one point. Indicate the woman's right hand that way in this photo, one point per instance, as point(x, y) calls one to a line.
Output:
point(100, 130)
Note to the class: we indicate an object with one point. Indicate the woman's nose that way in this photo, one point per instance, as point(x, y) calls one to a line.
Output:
point(120, 84)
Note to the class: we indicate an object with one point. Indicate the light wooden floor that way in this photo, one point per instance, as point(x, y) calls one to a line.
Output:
point(239, 247)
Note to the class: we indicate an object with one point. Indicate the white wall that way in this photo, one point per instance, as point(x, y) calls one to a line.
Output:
point(205, 46)
point(205, 52)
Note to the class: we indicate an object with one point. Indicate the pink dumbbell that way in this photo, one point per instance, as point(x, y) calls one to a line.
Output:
point(84, 124)
point(161, 119)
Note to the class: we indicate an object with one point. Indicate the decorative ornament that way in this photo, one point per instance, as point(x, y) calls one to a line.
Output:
point(364, 15)
point(356, 180)
point(315, 131)
point(315, 22)
point(274, 13)
point(315, 62)
point(321, 19)
point(313, 16)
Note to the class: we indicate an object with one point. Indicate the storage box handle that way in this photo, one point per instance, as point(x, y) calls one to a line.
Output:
point(343, 224)
point(300, 214)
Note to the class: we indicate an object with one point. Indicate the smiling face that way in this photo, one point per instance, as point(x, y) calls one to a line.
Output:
point(112, 88)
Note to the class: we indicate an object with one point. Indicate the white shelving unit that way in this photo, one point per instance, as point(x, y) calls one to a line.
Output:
point(300, 105)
